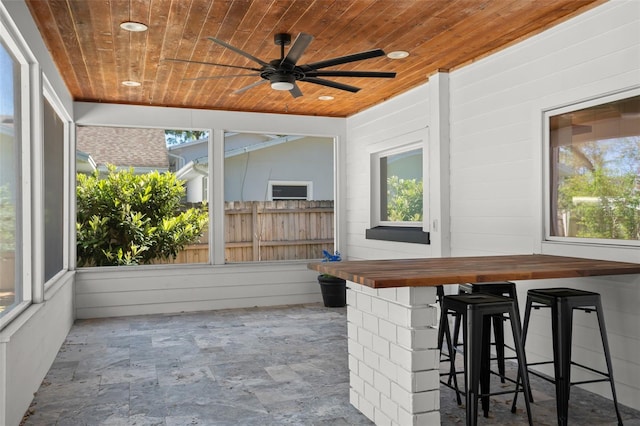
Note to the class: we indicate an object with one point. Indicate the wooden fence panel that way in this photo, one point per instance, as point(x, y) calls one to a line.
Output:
point(277, 230)
point(270, 230)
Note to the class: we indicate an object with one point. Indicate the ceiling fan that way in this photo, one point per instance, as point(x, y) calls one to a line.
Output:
point(283, 73)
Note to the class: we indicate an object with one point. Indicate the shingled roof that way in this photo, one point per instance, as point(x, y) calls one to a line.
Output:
point(123, 147)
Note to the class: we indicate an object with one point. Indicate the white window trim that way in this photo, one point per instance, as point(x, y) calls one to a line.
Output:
point(68, 184)
point(547, 237)
point(32, 290)
point(408, 142)
point(307, 183)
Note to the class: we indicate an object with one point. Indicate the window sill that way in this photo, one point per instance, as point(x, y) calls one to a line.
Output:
point(621, 253)
point(412, 234)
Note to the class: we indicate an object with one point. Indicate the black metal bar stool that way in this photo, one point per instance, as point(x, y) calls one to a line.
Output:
point(476, 311)
point(445, 333)
point(498, 288)
point(563, 301)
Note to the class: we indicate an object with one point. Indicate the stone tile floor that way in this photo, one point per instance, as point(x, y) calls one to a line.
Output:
point(261, 366)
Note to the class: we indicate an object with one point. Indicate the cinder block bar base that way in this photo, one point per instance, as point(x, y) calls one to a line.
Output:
point(393, 358)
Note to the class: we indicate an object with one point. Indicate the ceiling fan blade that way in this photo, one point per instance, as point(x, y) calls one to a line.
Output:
point(336, 73)
point(238, 51)
point(251, 86)
point(221, 76)
point(210, 63)
point(295, 92)
point(298, 47)
point(344, 59)
point(330, 83)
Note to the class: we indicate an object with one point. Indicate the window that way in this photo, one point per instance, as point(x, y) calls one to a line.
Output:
point(140, 196)
point(10, 188)
point(594, 171)
point(278, 193)
point(290, 190)
point(53, 192)
point(401, 187)
point(398, 194)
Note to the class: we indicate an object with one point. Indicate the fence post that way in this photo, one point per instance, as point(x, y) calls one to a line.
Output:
point(256, 231)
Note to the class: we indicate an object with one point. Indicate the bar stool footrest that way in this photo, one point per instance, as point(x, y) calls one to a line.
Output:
point(606, 376)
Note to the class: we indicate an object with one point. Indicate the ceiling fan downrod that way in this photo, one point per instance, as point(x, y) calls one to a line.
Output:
point(282, 40)
point(280, 77)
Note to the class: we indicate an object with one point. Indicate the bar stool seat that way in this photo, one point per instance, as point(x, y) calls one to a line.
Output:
point(497, 288)
point(562, 302)
point(476, 311)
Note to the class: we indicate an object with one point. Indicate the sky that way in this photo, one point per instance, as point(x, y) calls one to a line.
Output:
point(6, 82)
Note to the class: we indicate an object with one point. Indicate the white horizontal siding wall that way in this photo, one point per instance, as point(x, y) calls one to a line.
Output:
point(28, 346)
point(496, 165)
point(375, 127)
point(110, 292)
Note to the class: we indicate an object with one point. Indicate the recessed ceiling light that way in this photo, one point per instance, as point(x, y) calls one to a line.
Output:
point(325, 98)
point(130, 83)
point(397, 54)
point(133, 26)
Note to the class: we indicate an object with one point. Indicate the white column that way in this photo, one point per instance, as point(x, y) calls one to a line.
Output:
point(393, 356)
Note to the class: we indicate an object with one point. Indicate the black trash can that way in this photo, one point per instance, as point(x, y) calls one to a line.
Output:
point(334, 291)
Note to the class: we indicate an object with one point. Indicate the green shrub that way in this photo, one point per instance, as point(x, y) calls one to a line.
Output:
point(129, 219)
point(404, 199)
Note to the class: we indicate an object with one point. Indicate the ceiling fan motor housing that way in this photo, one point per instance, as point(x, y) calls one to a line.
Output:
point(278, 72)
point(282, 39)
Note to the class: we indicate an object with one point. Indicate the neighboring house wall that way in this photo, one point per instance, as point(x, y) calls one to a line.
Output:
point(196, 188)
point(251, 162)
point(308, 159)
point(194, 175)
point(180, 155)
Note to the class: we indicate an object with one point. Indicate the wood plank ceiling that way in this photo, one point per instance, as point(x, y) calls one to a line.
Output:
point(94, 55)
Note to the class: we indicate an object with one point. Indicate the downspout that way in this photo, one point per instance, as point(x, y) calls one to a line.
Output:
point(181, 160)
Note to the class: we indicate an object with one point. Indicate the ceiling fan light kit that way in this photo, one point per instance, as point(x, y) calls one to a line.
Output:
point(281, 85)
point(284, 73)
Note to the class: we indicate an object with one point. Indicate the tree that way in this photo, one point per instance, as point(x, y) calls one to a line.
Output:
point(604, 206)
point(128, 219)
point(602, 194)
point(175, 137)
point(404, 199)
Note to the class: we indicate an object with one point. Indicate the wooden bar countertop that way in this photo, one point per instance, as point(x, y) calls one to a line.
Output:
point(460, 270)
